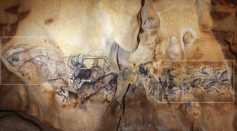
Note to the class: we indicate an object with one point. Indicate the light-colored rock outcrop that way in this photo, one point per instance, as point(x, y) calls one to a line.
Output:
point(121, 65)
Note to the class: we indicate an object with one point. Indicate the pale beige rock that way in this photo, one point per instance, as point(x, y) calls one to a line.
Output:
point(120, 65)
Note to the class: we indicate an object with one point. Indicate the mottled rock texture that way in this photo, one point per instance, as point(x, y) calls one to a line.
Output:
point(119, 65)
point(12, 122)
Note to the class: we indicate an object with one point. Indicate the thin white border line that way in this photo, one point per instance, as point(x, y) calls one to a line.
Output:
point(34, 37)
point(158, 85)
point(196, 60)
point(0, 61)
point(69, 83)
point(197, 102)
point(233, 76)
point(28, 84)
point(233, 71)
point(70, 53)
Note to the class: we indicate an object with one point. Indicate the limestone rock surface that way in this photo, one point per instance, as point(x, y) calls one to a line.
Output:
point(123, 65)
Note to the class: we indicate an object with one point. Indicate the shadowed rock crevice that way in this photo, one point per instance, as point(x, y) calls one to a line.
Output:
point(11, 120)
point(124, 107)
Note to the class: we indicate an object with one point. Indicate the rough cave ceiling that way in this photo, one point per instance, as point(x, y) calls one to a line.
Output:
point(118, 65)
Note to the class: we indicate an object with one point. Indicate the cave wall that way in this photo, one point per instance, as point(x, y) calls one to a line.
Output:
point(119, 65)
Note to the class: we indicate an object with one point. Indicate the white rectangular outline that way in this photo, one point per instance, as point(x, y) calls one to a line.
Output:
point(28, 37)
point(201, 102)
point(69, 83)
point(0, 61)
point(233, 73)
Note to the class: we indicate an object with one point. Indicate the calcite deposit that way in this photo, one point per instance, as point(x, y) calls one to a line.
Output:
point(104, 65)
